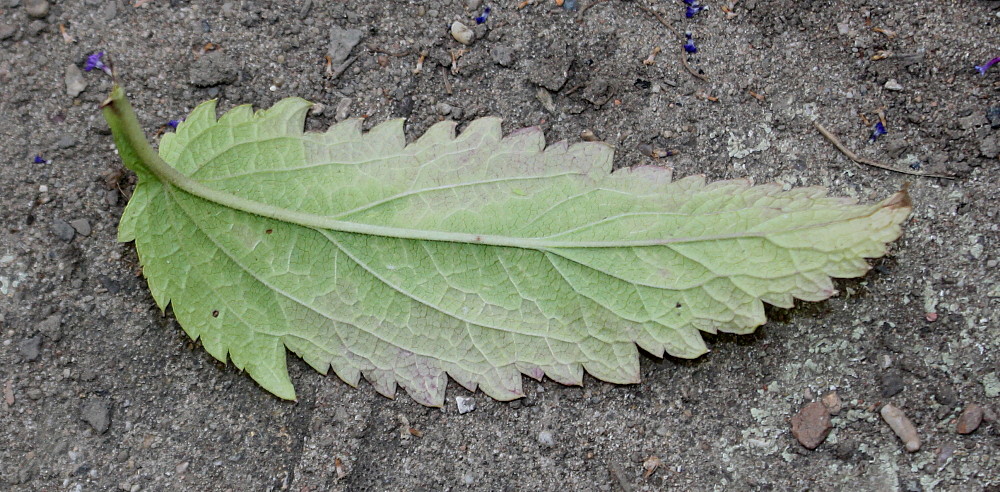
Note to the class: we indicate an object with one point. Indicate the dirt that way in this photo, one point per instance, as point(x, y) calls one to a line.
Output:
point(103, 392)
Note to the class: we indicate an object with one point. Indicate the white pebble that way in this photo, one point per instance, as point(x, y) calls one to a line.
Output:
point(462, 33)
point(465, 404)
point(545, 439)
point(902, 427)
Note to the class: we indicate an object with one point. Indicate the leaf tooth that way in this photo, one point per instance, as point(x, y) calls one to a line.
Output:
point(568, 374)
point(384, 381)
point(502, 383)
point(387, 136)
point(487, 128)
point(237, 116)
point(443, 131)
point(345, 131)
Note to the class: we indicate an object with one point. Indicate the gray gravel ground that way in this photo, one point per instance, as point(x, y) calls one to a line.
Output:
point(102, 392)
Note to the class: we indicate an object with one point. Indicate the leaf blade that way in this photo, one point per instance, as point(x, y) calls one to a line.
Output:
point(474, 255)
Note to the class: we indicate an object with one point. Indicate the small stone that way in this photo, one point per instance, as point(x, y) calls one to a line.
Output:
point(443, 108)
point(545, 439)
point(36, 9)
point(503, 55)
point(901, 426)
point(81, 226)
point(832, 403)
point(212, 69)
point(31, 348)
point(992, 113)
point(342, 41)
point(462, 33)
point(972, 121)
point(990, 147)
point(893, 85)
point(892, 384)
point(66, 141)
point(343, 109)
point(75, 83)
point(63, 230)
point(182, 467)
point(7, 31)
point(465, 404)
point(843, 28)
point(97, 413)
point(110, 11)
point(970, 419)
point(811, 425)
point(51, 327)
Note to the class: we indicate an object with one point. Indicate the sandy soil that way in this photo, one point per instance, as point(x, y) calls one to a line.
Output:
point(102, 392)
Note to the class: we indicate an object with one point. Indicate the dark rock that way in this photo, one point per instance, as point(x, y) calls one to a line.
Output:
point(97, 413)
point(404, 107)
point(970, 419)
point(63, 230)
point(32, 347)
point(811, 425)
point(36, 9)
point(342, 41)
point(892, 384)
point(992, 113)
point(212, 69)
point(946, 396)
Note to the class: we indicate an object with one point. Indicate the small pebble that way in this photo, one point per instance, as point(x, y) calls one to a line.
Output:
point(81, 226)
point(902, 427)
point(97, 413)
point(545, 439)
point(31, 348)
point(811, 425)
point(832, 403)
point(970, 419)
point(182, 467)
point(893, 85)
point(465, 404)
point(75, 83)
point(343, 109)
point(63, 230)
point(36, 9)
point(7, 31)
point(462, 33)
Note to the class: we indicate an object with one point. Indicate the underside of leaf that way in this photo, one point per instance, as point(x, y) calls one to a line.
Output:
point(477, 256)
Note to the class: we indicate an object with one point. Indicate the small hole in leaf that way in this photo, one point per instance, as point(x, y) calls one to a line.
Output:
point(215, 314)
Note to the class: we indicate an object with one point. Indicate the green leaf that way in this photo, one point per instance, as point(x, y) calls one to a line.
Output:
point(478, 256)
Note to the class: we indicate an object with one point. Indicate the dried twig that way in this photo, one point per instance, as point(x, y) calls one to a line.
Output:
point(690, 70)
point(579, 15)
point(656, 14)
point(868, 162)
point(343, 66)
point(663, 21)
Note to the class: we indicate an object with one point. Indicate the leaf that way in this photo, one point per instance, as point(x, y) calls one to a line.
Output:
point(478, 256)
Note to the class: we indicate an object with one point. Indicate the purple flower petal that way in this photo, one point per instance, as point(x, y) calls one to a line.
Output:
point(877, 131)
point(983, 68)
